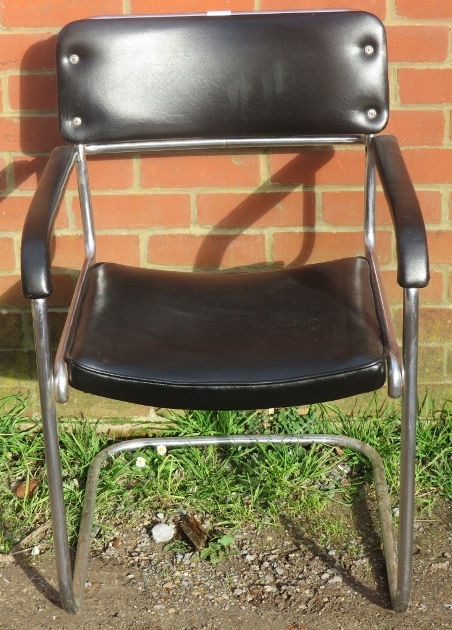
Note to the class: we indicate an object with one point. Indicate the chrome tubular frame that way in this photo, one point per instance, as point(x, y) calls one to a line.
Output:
point(408, 447)
point(220, 144)
point(52, 450)
point(398, 568)
point(395, 370)
point(60, 369)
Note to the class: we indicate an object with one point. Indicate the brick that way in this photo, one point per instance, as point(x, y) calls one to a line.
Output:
point(429, 166)
point(378, 7)
point(430, 201)
point(260, 209)
point(22, 13)
point(425, 85)
point(190, 6)
point(431, 363)
point(318, 167)
point(434, 9)
point(122, 248)
point(33, 92)
point(417, 43)
point(7, 255)
point(11, 291)
point(11, 330)
point(68, 252)
point(27, 51)
point(200, 170)
point(213, 250)
point(29, 134)
point(435, 325)
point(309, 247)
point(3, 182)
point(13, 211)
point(28, 171)
point(347, 208)
point(56, 325)
point(417, 128)
point(431, 294)
point(139, 211)
point(107, 173)
point(440, 247)
point(18, 369)
point(449, 365)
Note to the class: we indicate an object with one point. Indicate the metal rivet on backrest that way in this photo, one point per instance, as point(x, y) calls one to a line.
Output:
point(371, 113)
point(369, 50)
point(74, 58)
point(76, 121)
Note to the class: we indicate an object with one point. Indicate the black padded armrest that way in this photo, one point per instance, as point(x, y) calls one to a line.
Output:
point(411, 238)
point(35, 253)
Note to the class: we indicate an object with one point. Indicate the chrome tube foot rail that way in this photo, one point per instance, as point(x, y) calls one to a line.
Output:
point(72, 600)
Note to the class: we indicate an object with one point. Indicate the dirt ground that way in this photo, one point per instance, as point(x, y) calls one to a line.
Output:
point(278, 578)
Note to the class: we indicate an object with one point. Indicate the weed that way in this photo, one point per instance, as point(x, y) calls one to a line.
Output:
point(233, 485)
point(218, 549)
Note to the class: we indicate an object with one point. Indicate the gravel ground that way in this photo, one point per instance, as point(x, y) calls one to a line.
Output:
point(278, 577)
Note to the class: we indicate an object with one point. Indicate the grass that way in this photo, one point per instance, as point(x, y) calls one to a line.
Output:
point(232, 486)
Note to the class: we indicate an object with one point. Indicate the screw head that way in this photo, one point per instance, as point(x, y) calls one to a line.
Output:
point(76, 121)
point(369, 50)
point(74, 59)
point(372, 113)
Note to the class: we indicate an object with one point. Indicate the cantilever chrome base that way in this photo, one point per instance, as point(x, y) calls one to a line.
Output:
point(72, 593)
point(398, 564)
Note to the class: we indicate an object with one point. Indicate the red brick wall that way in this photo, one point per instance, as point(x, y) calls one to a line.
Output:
point(225, 211)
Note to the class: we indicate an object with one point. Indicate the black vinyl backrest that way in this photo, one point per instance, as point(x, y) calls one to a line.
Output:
point(243, 75)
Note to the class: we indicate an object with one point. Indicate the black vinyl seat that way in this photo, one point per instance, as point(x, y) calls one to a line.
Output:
point(250, 340)
point(290, 336)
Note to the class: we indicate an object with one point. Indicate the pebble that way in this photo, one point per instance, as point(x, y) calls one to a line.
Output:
point(337, 579)
point(162, 533)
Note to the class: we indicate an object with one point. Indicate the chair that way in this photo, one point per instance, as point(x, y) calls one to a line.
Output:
point(274, 338)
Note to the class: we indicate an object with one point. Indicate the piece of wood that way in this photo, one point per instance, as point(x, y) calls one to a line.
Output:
point(18, 547)
point(194, 531)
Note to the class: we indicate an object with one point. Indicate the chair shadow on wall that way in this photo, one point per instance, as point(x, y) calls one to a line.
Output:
point(270, 195)
point(36, 133)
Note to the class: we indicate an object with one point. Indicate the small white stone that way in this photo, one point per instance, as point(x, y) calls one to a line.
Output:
point(335, 580)
point(162, 533)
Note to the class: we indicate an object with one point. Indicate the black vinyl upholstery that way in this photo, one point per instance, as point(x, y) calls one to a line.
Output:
point(228, 341)
point(412, 254)
point(239, 75)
